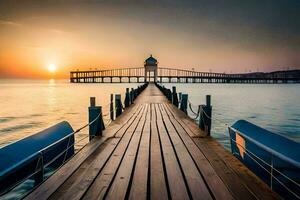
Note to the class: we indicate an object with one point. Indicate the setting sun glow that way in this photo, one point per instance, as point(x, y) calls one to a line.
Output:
point(52, 68)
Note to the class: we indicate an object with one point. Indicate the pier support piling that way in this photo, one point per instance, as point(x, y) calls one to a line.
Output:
point(180, 95)
point(132, 96)
point(127, 98)
point(118, 105)
point(95, 118)
point(111, 107)
point(205, 116)
point(183, 104)
point(174, 97)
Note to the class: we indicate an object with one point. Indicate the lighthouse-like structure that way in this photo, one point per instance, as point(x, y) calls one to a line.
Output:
point(150, 66)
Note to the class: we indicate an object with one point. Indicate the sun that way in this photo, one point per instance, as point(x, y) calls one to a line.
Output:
point(52, 68)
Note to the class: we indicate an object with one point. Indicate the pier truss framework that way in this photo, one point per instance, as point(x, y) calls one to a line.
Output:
point(171, 75)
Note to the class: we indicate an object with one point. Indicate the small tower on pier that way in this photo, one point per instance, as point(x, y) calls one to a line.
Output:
point(150, 66)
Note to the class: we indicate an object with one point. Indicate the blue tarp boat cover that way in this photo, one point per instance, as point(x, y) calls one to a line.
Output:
point(20, 159)
point(272, 157)
point(278, 143)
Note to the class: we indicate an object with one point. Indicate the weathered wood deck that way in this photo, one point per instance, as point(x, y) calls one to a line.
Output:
point(153, 151)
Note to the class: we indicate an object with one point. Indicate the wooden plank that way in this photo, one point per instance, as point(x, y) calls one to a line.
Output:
point(158, 187)
point(48, 187)
point(216, 185)
point(249, 179)
point(174, 175)
point(153, 113)
point(151, 95)
point(237, 188)
point(159, 164)
point(192, 176)
point(138, 188)
point(120, 184)
point(232, 181)
point(261, 190)
point(103, 180)
point(190, 123)
point(79, 182)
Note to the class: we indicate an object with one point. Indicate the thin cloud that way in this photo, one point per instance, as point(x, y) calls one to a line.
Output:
point(58, 31)
point(10, 23)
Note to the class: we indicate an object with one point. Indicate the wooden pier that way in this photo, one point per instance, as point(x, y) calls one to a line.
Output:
point(173, 75)
point(153, 151)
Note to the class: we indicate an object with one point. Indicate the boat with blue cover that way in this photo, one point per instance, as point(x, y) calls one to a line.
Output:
point(272, 157)
point(35, 157)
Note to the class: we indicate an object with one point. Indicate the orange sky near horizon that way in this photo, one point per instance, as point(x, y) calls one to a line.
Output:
point(107, 36)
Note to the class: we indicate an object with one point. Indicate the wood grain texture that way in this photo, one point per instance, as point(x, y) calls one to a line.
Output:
point(153, 151)
point(214, 182)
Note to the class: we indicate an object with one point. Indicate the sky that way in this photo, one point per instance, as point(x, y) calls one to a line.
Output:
point(229, 36)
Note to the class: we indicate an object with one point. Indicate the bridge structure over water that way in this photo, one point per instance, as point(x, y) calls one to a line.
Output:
point(171, 75)
point(152, 73)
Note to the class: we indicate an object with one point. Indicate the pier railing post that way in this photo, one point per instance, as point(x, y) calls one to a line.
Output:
point(169, 95)
point(174, 97)
point(118, 105)
point(127, 98)
point(183, 104)
point(111, 107)
point(93, 101)
point(95, 112)
point(132, 96)
point(135, 93)
point(205, 116)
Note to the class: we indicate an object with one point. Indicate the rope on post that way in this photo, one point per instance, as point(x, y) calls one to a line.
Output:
point(205, 116)
point(204, 111)
point(96, 124)
point(183, 104)
point(180, 96)
point(197, 114)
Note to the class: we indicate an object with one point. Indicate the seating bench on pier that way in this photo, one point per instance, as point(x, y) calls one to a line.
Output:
point(153, 151)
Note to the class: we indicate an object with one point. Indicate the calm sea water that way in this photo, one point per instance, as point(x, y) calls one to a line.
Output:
point(273, 107)
point(31, 106)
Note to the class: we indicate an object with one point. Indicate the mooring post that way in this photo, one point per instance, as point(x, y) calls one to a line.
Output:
point(183, 104)
point(208, 100)
point(111, 107)
point(118, 105)
point(205, 116)
point(180, 97)
point(93, 101)
point(127, 98)
point(174, 97)
point(135, 93)
point(169, 95)
point(132, 95)
point(166, 92)
point(95, 118)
